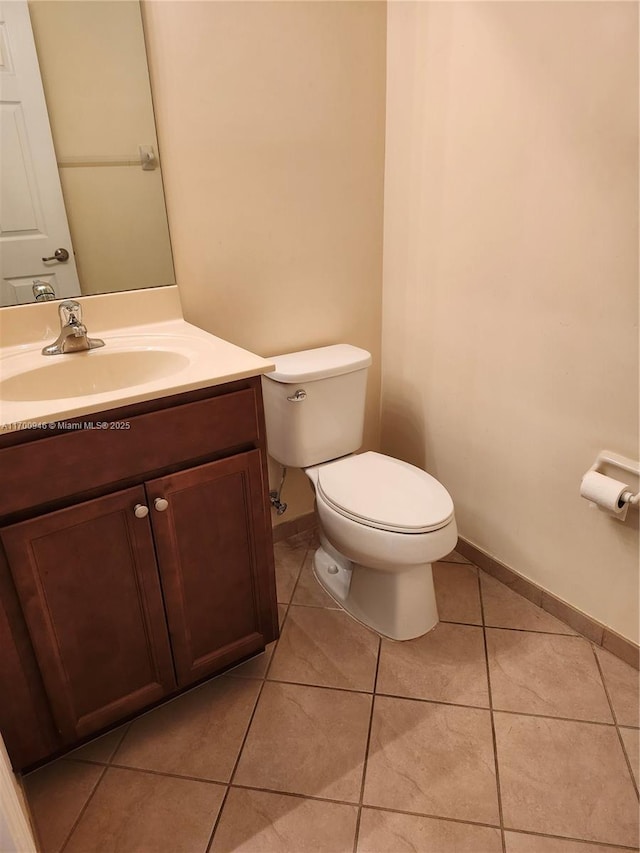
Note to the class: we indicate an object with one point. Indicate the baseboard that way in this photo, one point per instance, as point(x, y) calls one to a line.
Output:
point(590, 628)
point(297, 525)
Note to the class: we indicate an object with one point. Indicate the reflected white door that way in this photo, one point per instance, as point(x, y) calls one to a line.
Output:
point(33, 220)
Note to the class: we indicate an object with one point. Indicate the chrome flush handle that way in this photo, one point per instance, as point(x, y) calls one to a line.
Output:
point(298, 397)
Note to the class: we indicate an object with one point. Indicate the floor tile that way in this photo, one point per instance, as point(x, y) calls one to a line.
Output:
point(432, 759)
point(307, 740)
point(256, 667)
point(455, 557)
point(101, 749)
point(327, 648)
point(289, 556)
point(309, 591)
point(631, 740)
point(144, 812)
point(545, 674)
point(387, 832)
point(561, 780)
point(504, 608)
point(518, 842)
point(446, 665)
point(260, 822)
point(198, 734)
point(566, 778)
point(623, 684)
point(57, 794)
point(457, 593)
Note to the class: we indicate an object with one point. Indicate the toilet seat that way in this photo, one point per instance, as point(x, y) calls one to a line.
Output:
point(385, 493)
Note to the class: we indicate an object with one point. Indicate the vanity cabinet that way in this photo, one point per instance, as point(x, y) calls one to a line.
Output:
point(136, 561)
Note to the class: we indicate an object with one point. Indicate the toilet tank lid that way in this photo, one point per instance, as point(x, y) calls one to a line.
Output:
point(318, 363)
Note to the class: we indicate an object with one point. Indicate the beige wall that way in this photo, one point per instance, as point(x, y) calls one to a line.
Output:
point(271, 127)
point(510, 341)
point(94, 72)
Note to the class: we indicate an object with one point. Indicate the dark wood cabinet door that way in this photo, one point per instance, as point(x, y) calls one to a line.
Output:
point(88, 584)
point(215, 565)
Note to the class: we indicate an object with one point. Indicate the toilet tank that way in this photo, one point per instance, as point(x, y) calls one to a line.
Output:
point(314, 404)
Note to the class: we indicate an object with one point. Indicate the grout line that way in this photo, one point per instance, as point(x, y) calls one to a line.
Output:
point(431, 701)
point(430, 816)
point(615, 720)
point(150, 772)
point(371, 806)
point(255, 707)
point(287, 604)
point(126, 731)
point(335, 609)
point(585, 841)
point(573, 636)
point(319, 686)
point(91, 761)
point(551, 717)
point(83, 810)
point(233, 771)
point(288, 608)
point(69, 756)
point(217, 820)
point(366, 749)
point(492, 709)
point(240, 787)
point(493, 726)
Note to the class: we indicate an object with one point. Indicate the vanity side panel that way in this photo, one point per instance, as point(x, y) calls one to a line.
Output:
point(265, 533)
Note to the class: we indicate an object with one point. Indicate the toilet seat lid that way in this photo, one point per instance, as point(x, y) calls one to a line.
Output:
point(386, 493)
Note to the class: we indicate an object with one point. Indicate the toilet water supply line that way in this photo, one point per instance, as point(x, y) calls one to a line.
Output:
point(274, 496)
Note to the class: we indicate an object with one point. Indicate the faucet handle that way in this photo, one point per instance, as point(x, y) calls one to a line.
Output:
point(70, 312)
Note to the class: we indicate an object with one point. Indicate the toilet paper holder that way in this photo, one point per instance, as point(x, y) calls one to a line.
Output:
point(607, 457)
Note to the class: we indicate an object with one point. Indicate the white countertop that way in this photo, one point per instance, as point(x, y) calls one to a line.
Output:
point(203, 360)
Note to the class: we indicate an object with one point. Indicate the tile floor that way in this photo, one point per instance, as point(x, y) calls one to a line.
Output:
point(501, 730)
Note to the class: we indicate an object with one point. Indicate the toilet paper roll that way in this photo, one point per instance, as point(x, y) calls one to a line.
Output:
point(605, 492)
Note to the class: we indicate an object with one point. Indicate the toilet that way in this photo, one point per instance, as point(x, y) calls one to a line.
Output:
point(382, 522)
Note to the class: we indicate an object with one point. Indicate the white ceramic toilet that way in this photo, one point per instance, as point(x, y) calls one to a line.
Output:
point(382, 521)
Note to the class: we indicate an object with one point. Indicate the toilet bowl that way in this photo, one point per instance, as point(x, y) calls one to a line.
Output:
point(382, 521)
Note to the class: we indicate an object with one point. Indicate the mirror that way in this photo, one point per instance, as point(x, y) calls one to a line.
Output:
point(92, 61)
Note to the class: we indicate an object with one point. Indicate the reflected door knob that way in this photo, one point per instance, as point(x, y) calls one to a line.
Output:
point(161, 504)
point(141, 511)
point(61, 255)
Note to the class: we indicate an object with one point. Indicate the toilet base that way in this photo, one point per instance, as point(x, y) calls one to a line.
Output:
point(398, 604)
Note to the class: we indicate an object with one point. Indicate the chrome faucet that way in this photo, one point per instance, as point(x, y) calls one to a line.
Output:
point(42, 291)
point(73, 333)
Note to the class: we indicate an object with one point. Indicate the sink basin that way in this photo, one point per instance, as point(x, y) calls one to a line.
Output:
point(162, 358)
point(92, 372)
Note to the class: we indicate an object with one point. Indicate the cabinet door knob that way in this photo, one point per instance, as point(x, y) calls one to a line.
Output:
point(161, 504)
point(141, 511)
